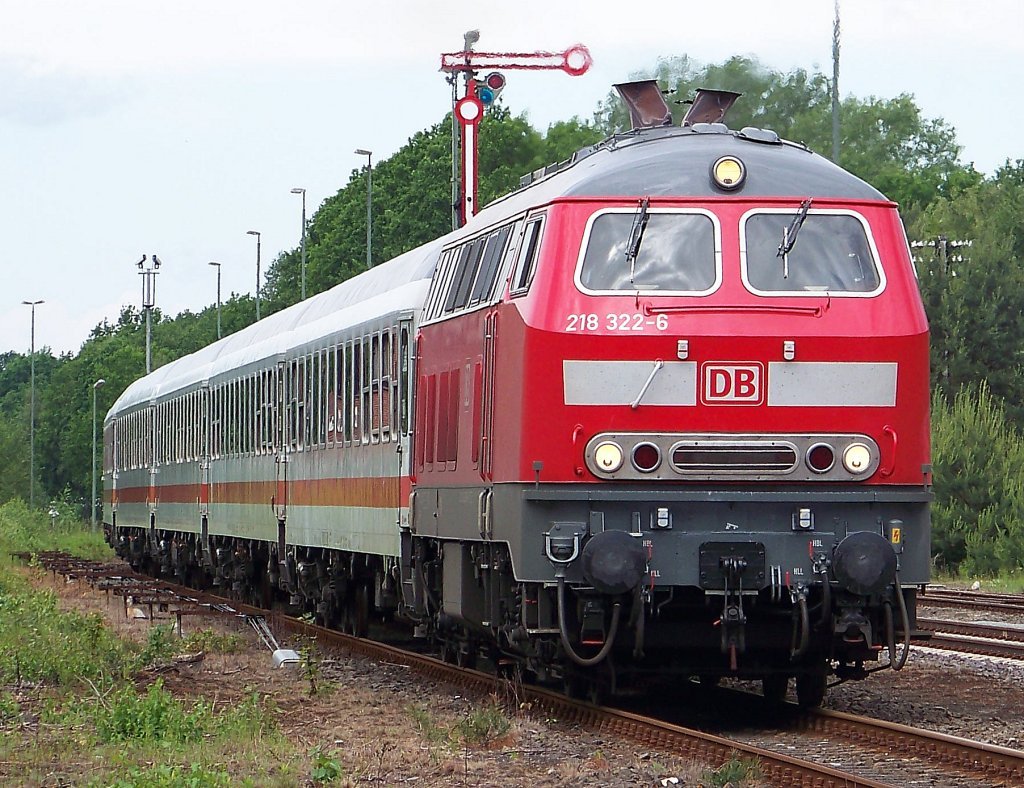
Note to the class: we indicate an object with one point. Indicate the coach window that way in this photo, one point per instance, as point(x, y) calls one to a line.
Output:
point(830, 251)
point(314, 399)
point(309, 385)
point(376, 416)
point(637, 250)
point(526, 260)
point(366, 382)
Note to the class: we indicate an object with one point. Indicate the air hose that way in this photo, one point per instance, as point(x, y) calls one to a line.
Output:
point(599, 657)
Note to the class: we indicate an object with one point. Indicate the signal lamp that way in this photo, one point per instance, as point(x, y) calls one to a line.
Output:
point(646, 457)
point(820, 458)
point(489, 88)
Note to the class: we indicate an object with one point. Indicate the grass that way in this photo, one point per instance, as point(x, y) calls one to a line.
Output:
point(69, 707)
point(1003, 583)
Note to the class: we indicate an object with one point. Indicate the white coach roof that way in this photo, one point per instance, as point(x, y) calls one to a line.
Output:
point(397, 285)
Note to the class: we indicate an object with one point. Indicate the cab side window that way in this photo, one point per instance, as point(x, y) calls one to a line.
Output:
point(526, 261)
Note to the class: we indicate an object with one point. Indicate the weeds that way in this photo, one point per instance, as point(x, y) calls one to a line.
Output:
point(213, 643)
point(326, 768)
point(163, 776)
point(483, 725)
point(309, 664)
point(732, 772)
point(161, 645)
point(155, 716)
point(477, 728)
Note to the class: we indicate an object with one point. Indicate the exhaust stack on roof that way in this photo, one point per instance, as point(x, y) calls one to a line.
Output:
point(710, 106)
point(647, 107)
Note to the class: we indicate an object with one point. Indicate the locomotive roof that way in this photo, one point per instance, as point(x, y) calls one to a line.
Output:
point(676, 162)
point(397, 285)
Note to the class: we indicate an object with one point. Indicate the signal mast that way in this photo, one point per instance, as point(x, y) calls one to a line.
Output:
point(479, 94)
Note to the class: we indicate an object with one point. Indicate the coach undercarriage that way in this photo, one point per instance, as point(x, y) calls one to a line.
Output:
point(341, 589)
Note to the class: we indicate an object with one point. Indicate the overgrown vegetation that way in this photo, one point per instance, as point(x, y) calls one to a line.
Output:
point(484, 724)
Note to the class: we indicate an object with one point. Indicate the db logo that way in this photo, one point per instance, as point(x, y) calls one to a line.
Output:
point(733, 384)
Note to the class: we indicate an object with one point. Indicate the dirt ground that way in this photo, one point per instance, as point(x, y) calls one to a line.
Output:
point(384, 725)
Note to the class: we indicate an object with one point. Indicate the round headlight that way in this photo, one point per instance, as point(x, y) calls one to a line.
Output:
point(857, 458)
point(728, 172)
point(608, 457)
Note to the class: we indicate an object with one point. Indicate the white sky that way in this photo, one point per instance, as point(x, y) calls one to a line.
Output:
point(132, 126)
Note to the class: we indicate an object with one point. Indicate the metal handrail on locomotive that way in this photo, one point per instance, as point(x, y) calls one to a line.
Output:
point(660, 413)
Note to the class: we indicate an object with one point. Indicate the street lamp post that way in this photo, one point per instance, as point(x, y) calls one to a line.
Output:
point(95, 386)
point(218, 297)
point(148, 302)
point(32, 412)
point(299, 190)
point(258, 239)
point(369, 203)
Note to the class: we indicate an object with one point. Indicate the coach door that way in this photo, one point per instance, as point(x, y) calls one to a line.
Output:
point(280, 500)
point(204, 452)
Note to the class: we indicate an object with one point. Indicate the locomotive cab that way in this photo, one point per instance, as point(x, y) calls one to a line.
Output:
point(707, 376)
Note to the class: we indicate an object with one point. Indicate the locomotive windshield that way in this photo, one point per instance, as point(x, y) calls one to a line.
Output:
point(831, 253)
point(676, 253)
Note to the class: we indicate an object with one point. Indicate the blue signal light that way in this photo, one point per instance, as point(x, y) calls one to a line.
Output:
point(489, 88)
point(486, 95)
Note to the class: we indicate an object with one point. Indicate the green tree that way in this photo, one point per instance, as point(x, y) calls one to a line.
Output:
point(886, 142)
point(976, 304)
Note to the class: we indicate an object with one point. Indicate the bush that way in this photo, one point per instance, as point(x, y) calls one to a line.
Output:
point(26, 530)
point(977, 455)
point(38, 642)
point(155, 716)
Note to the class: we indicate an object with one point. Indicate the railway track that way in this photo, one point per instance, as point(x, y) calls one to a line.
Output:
point(977, 600)
point(860, 746)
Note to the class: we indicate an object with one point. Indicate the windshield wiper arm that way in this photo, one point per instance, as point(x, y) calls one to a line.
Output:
point(636, 235)
point(658, 364)
point(789, 235)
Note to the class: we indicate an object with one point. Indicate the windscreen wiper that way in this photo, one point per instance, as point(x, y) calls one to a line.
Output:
point(636, 235)
point(789, 235)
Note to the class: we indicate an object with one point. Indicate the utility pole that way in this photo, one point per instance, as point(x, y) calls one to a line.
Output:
point(258, 239)
point(95, 386)
point(835, 87)
point(302, 191)
point(32, 412)
point(148, 302)
point(946, 253)
point(369, 204)
point(218, 298)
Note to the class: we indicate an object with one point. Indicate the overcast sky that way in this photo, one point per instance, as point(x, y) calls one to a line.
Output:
point(130, 127)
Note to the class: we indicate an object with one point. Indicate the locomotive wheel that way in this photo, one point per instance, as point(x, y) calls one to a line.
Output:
point(465, 656)
point(574, 686)
point(810, 689)
point(774, 687)
point(359, 606)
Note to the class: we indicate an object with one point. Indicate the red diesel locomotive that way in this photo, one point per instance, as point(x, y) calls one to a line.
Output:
point(661, 412)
